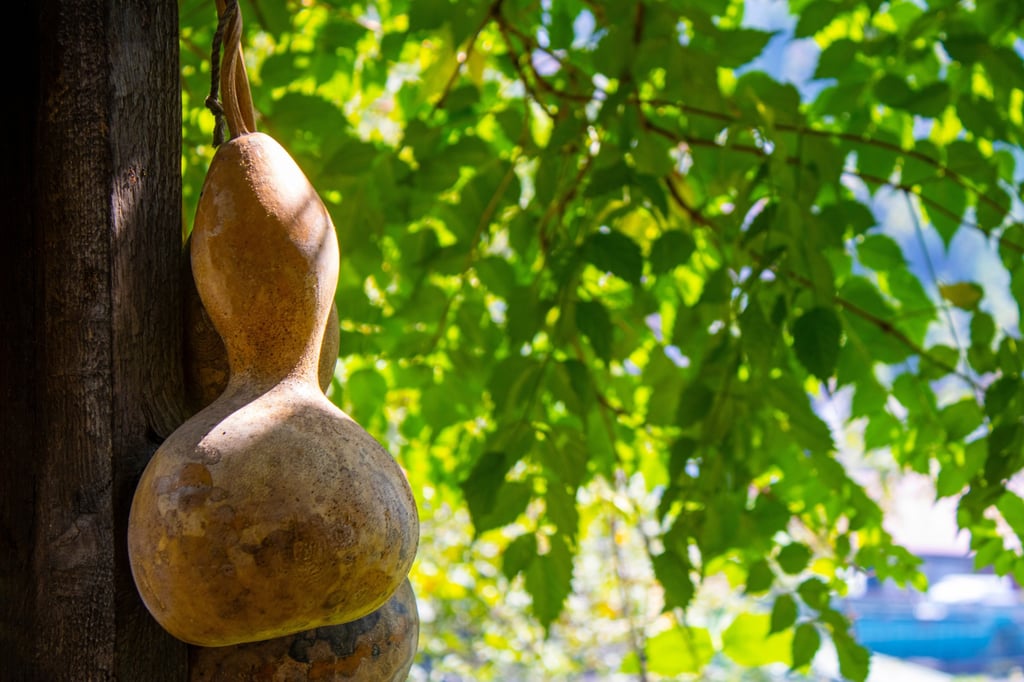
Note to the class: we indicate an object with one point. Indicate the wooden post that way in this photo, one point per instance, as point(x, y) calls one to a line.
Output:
point(90, 375)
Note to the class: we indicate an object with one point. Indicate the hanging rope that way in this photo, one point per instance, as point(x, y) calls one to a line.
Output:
point(228, 76)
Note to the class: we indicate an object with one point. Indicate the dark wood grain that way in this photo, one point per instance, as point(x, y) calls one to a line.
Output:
point(91, 317)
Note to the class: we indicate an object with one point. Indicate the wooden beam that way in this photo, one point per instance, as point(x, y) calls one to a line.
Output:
point(92, 314)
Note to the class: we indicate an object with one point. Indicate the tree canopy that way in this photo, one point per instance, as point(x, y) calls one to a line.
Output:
point(636, 291)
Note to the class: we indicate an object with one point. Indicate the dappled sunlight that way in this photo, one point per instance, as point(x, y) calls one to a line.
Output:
point(685, 325)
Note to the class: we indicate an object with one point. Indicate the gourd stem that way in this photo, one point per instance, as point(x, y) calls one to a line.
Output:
point(234, 81)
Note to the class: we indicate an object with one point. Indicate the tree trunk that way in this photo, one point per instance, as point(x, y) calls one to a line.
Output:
point(90, 371)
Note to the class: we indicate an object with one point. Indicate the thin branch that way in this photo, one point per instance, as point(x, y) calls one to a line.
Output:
point(942, 170)
point(930, 266)
point(515, 56)
point(754, 150)
point(934, 205)
point(556, 210)
point(492, 12)
point(693, 214)
point(882, 325)
point(530, 44)
point(636, 635)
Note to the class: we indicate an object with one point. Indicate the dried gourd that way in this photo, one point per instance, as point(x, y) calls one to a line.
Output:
point(206, 360)
point(269, 512)
point(379, 647)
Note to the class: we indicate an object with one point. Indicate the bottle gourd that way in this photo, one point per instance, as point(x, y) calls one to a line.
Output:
point(270, 511)
point(379, 647)
point(206, 361)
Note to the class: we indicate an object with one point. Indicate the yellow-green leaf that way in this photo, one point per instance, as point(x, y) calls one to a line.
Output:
point(964, 295)
point(747, 641)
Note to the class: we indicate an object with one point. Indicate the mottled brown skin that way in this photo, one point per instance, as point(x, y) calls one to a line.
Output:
point(271, 511)
point(205, 358)
point(379, 647)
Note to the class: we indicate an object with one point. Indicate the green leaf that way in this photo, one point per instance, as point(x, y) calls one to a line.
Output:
point(964, 295)
point(759, 578)
point(610, 180)
point(497, 275)
point(882, 431)
point(880, 252)
point(836, 59)
point(799, 419)
point(806, 642)
point(983, 329)
point(518, 555)
point(549, 581)
point(593, 321)
point(854, 659)
point(525, 314)
point(740, 46)
point(1011, 506)
point(694, 402)
point(566, 456)
point(961, 418)
point(892, 90)
point(672, 249)
point(784, 612)
point(428, 14)
point(794, 557)
point(749, 642)
point(561, 509)
point(616, 253)
point(512, 381)
point(674, 575)
point(1003, 396)
point(352, 158)
point(367, 391)
point(929, 101)
point(679, 651)
point(652, 154)
point(815, 16)
point(494, 502)
point(944, 205)
point(816, 338)
point(965, 461)
point(814, 593)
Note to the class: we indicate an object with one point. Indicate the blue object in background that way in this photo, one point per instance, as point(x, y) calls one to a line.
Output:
point(966, 623)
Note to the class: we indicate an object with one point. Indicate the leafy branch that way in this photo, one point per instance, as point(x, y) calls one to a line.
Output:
point(537, 82)
point(885, 326)
point(493, 11)
point(482, 224)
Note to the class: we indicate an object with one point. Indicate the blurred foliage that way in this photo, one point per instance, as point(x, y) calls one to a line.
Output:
point(604, 276)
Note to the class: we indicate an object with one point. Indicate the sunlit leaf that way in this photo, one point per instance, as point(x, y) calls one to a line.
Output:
point(612, 272)
point(678, 651)
point(747, 641)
